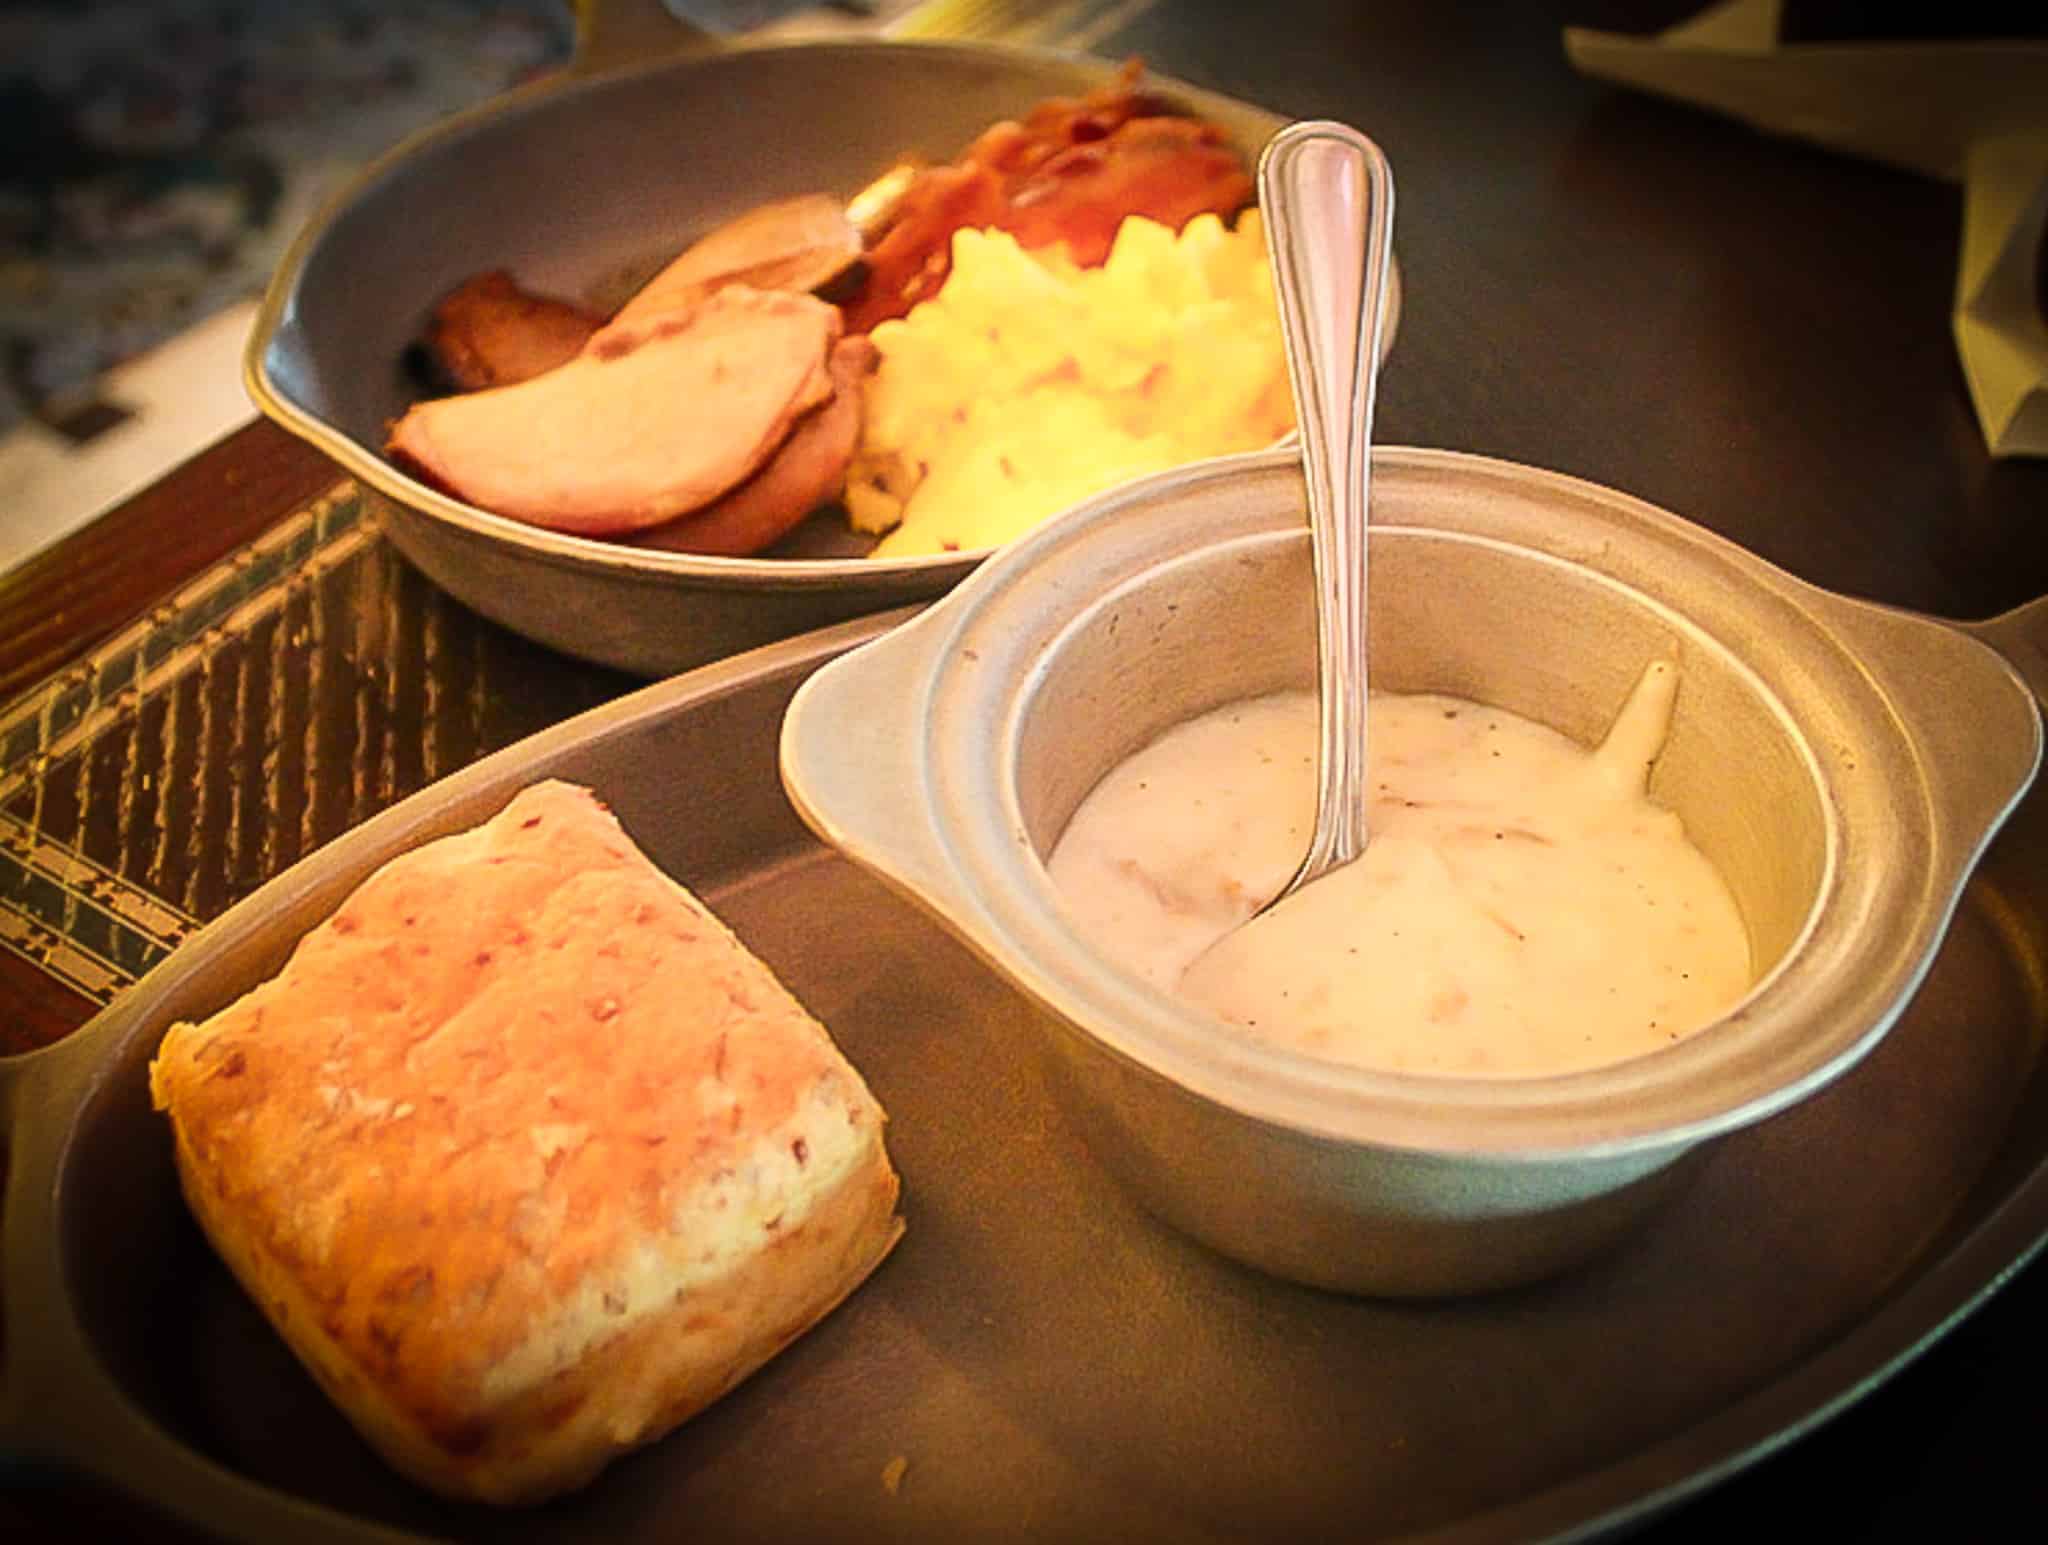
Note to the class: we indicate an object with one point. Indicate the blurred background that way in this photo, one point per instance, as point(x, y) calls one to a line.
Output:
point(160, 155)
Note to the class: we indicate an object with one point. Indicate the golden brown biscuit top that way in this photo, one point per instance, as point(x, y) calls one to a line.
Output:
point(511, 1060)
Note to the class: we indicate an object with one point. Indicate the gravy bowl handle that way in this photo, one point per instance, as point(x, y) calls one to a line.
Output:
point(2021, 635)
point(853, 763)
point(1969, 700)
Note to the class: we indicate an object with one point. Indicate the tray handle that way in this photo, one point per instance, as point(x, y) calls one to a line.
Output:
point(614, 33)
point(33, 1081)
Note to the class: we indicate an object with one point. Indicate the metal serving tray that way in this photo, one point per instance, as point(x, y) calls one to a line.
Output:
point(1039, 1359)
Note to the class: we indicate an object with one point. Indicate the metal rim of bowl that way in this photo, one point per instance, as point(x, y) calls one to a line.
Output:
point(1745, 1066)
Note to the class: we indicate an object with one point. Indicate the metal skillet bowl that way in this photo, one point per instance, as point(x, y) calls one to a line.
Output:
point(583, 187)
point(1842, 766)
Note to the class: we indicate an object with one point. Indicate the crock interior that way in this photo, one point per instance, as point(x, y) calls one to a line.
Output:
point(1448, 612)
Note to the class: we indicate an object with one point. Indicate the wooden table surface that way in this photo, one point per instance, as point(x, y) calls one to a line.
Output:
point(1749, 331)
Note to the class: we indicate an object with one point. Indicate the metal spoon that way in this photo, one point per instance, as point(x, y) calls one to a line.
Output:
point(1328, 199)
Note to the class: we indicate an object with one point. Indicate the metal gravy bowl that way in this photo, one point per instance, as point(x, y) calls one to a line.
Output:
point(1842, 764)
point(583, 187)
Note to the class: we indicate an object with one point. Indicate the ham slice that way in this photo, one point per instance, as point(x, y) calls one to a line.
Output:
point(792, 244)
point(652, 418)
point(809, 470)
point(487, 332)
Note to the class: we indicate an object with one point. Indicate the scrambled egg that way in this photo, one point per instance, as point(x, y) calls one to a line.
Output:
point(1027, 383)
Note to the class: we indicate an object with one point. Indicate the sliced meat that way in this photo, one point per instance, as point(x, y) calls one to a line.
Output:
point(793, 244)
point(651, 419)
point(808, 470)
point(1166, 169)
point(487, 331)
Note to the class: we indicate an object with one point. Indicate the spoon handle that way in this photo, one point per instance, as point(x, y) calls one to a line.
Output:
point(1328, 199)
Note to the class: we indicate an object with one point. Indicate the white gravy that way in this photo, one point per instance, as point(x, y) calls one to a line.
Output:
point(1522, 906)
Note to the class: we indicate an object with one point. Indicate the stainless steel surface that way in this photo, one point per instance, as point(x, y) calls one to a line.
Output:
point(581, 187)
point(1049, 1362)
point(1816, 755)
point(1328, 199)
